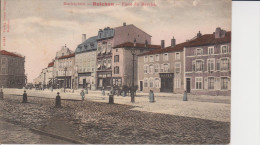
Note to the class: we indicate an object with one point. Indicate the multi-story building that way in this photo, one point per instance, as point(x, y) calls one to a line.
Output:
point(12, 72)
point(65, 51)
point(66, 71)
point(162, 70)
point(122, 62)
point(107, 39)
point(207, 64)
point(85, 63)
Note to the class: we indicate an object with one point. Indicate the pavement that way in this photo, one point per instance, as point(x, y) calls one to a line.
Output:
point(216, 108)
point(96, 122)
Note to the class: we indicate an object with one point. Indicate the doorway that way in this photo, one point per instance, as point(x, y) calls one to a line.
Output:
point(188, 85)
point(141, 85)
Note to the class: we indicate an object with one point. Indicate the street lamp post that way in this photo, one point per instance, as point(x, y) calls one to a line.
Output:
point(65, 83)
point(133, 75)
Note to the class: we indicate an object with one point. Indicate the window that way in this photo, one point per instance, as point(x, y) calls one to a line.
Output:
point(117, 82)
point(198, 65)
point(177, 68)
point(165, 56)
point(157, 82)
point(211, 50)
point(162, 68)
point(109, 48)
point(198, 51)
point(211, 65)
point(166, 67)
point(151, 59)
point(151, 68)
point(156, 68)
point(151, 82)
point(3, 61)
point(211, 83)
point(198, 83)
point(145, 82)
point(157, 57)
point(224, 64)
point(116, 49)
point(116, 70)
point(4, 71)
point(224, 49)
point(145, 69)
point(224, 83)
point(116, 58)
point(145, 58)
point(177, 56)
point(177, 83)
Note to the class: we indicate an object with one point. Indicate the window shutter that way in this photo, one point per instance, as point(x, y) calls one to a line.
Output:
point(202, 67)
point(206, 83)
point(208, 65)
point(161, 67)
point(193, 65)
point(195, 52)
point(217, 84)
point(229, 84)
point(229, 64)
point(218, 65)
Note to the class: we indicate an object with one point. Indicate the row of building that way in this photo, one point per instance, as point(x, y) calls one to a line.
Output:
point(12, 72)
point(200, 65)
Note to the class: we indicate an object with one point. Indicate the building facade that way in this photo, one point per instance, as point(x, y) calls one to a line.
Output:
point(12, 71)
point(208, 64)
point(85, 63)
point(122, 62)
point(107, 39)
point(162, 70)
point(66, 71)
point(64, 51)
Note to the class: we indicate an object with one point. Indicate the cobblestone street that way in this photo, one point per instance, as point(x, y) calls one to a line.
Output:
point(99, 122)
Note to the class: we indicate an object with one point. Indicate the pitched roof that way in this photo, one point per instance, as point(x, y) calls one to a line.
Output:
point(51, 64)
point(138, 45)
point(209, 39)
point(67, 56)
point(177, 47)
point(130, 25)
point(4, 52)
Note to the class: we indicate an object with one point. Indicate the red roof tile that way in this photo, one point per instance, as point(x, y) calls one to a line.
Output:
point(138, 45)
point(4, 52)
point(177, 47)
point(209, 39)
point(67, 56)
point(51, 64)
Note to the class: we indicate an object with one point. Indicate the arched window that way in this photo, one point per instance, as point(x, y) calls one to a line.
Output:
point(151, 82)
point(157, 83)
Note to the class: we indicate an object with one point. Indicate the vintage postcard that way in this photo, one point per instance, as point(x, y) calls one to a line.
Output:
point(115, 72)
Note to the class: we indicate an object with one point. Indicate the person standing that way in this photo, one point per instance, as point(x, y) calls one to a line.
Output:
point(82, 94)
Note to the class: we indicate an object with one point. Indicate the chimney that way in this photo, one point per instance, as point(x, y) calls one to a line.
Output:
point(173, 42)
point(146, 43)
point(198, 34)
point(135, 43)
point(162, 43)
point(83, 37)
point(124, 24)
point(219, 33)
